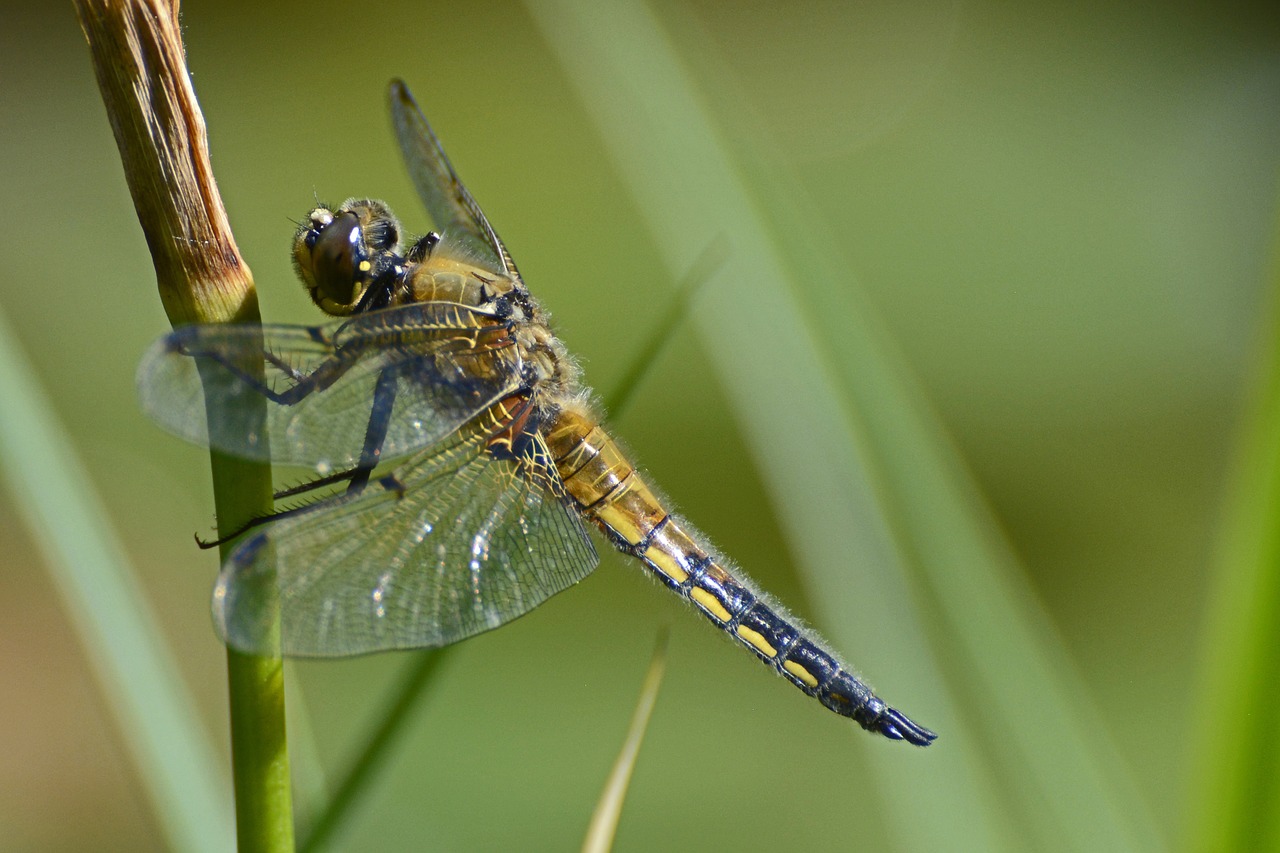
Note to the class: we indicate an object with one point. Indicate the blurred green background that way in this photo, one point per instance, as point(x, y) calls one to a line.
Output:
point(1062, 212)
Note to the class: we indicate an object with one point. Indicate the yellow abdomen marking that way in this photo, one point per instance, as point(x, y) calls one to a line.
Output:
point(801, 673)
point(756, 639)
point(708, 601)
point(665, 563)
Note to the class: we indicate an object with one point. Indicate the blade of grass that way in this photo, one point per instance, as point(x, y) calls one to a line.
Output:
point(108, 608)
point(681, 177)
point(140, 65)
point(311, 788)
point(1234, 801)
point(711, 259)
point(604, 820)
point(1007, 666)
point(1020, 761)
point(356, 781)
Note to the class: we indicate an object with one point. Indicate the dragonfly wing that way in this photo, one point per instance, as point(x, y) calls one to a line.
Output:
point(460, 221)
point(467, 543)
point(319, 383)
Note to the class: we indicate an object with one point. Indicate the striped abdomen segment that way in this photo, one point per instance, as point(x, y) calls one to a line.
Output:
point(599, 478)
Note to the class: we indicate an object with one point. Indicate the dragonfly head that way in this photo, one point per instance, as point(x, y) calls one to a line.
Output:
point(339, 253)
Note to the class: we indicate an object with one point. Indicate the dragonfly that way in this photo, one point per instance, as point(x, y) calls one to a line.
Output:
point(458, 459)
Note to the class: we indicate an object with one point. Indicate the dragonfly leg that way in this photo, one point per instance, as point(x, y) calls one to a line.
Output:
point(384, 398)
point(260, 520)
point(312, 485)
point(187, 342)
point(375, 434)
point(284, 367)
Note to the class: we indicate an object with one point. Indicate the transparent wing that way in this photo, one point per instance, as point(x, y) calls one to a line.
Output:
point(450, 362)
point(455, 214)
point(470, 542)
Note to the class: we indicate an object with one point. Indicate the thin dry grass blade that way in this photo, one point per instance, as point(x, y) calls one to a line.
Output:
point(604, 821)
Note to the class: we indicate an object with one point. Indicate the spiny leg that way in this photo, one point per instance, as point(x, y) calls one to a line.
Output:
point(327, 372)
point(384, 398)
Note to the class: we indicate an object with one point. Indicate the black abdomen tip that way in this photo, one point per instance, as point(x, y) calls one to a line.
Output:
point(895, 725)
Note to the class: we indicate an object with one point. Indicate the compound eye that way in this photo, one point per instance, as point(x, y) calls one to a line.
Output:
point(334, 262)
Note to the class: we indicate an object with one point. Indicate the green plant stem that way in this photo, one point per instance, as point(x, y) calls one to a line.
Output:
point(140, 64)
point(260, 755)
point(255, 687)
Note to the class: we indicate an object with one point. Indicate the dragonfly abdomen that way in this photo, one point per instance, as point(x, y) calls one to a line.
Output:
point(609, 491)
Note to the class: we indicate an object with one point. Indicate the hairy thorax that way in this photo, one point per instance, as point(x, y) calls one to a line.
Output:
point(548, 368)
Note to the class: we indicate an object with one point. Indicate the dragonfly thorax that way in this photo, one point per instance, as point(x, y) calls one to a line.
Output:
point(350, 261)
